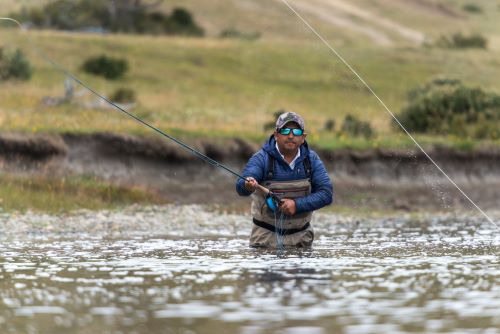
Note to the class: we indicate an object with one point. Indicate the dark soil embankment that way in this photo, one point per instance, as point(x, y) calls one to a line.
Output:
point(381, 178)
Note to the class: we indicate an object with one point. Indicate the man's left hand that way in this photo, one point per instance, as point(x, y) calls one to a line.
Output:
point(287, 206)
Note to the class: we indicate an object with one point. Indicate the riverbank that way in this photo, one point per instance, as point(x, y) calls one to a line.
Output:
point(374, 179)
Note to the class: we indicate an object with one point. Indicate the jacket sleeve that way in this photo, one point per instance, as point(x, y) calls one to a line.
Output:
point(322, 188)
point(255, 168)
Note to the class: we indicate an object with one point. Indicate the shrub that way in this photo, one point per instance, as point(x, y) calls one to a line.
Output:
point(129, 16)
point(472, 8)
point(14, 65)
point(447, 106)
point(124, 95)
point(461, 41)
point(181, 22)
point(108, 67)
point(271, 125)
point(330, 125)
point(354, 127)
point(233, 33)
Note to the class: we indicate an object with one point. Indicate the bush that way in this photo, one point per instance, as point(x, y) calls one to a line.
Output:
point(233, 33)
point(354, 127)
point(271, 125)
point(124, 95)
point(330, 125)
point(14, 65)
point(129, 16)
point(447, 106)
point(472, 8)
point(181, 22)
point(108, 67)
point(461, 41)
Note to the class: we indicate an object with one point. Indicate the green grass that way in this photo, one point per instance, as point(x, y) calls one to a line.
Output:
point(58, 195)
point(218, 88)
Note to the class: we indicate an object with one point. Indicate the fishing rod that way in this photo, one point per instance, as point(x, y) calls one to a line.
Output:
point(339, 56)
point(272, 198)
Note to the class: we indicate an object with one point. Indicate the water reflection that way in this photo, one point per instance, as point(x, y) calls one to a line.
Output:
point(388, 275)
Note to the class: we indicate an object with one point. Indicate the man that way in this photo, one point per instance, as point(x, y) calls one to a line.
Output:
point(287, 167)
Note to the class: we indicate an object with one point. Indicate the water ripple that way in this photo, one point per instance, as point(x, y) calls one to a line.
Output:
point(404, 274)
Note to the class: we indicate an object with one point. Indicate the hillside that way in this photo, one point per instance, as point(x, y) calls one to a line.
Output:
point(388, 22)
point(379, 22)
point(231, 87)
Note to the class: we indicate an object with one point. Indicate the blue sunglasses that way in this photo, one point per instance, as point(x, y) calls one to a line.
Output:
point(286, 131)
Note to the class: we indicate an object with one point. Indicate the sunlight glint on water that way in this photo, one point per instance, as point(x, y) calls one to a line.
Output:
point(438, 274)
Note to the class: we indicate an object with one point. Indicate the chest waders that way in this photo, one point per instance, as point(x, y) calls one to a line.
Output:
point(295, 230)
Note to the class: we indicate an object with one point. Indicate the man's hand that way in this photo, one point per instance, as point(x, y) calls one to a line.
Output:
point(251, 184)
point(287, 206)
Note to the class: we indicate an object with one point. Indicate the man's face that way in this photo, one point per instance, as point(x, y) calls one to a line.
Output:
point(289, 144)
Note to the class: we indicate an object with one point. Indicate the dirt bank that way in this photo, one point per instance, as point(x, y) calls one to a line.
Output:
point(378, 178)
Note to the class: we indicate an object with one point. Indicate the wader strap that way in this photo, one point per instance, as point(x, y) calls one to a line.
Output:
point(284, 231)
point(308, 168)
point(270, 167)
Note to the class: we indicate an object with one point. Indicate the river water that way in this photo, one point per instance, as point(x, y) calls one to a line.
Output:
point(188, 269)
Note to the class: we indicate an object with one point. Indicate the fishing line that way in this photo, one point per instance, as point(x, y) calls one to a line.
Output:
point(279, 233)
point(337, 54)
point(117, 107)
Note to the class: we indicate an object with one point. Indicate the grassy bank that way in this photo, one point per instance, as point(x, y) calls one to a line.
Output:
point(225, 88)
point(219, 88)
point(59, 195)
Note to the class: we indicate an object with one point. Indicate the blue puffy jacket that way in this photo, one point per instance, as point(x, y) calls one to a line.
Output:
point(322, 188)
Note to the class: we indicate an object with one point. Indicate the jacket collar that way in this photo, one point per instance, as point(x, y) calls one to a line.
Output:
point(270, 148)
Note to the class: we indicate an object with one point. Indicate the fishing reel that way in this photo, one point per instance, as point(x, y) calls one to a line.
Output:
point(272, 201)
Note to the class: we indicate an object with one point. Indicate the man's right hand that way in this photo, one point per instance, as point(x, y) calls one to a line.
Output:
point(251, 184)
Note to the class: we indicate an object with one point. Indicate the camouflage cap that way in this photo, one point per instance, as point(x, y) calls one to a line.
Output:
point(290, 116)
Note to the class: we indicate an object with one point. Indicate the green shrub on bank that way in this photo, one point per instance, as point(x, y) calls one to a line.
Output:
point(330, 125)
point(445, 106)
point(271, 125)
point(233, 33)
point(128, 16)
point(462, 41)
point(472, 8)
point(353, 127)
point(14, 65)
point(181, 22)
point(124, 95)
point(108, 67)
